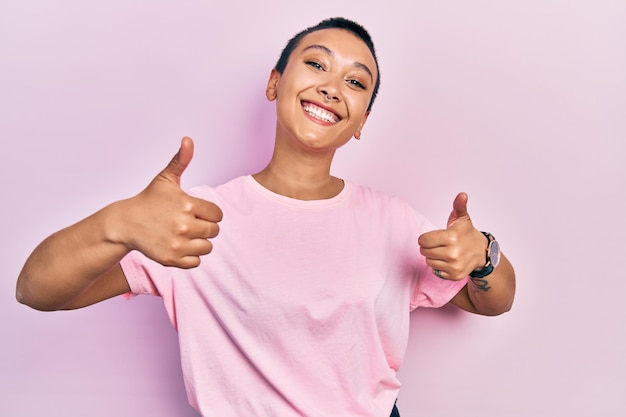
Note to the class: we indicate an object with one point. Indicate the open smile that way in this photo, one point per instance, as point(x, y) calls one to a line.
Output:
point(320, 113)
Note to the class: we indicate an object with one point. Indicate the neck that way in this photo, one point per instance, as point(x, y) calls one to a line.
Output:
point(302, 178)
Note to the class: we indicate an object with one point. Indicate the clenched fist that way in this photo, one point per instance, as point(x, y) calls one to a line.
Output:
point(166, 224)
point(459, 249)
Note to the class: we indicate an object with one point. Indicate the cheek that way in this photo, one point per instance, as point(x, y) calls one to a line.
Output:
point(358, 108)
point(287, 107)
point(294, 79)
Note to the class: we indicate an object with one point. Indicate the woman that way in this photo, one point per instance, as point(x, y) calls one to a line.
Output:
point(298, 303)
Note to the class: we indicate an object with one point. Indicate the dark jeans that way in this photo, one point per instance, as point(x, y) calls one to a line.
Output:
point(395, 412)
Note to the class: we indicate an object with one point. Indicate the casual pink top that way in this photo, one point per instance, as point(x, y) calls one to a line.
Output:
point(302, 308)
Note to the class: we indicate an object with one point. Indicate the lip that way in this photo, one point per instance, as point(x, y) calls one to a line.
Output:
point(321, 106)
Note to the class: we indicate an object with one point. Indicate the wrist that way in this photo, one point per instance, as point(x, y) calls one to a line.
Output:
point(114, 219)
point(491, 259)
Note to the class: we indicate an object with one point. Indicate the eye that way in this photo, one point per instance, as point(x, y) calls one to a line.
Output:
point(357, 84)
point(314, 64)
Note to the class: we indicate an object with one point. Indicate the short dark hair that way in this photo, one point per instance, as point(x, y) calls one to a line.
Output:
point(332, 23)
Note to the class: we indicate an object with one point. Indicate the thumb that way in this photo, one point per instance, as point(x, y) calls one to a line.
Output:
point(459, 209)
point(174, 170)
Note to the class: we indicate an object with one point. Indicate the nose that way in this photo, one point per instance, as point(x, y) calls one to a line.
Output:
point(329, 93)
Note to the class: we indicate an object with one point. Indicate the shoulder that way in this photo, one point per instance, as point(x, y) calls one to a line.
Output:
point(233, 186)
point(368, 194)
point(393, 208)
point(376, 199)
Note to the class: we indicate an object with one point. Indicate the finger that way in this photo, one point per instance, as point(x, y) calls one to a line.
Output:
point(174, 170)
point(433, 239)
point(199, 247)
point(194, 250)
point(434, 254)
point(443, 274)
point(459, 208)
point(439, 273)
point(213, 229)
point(203, 229)
point(188, 262)
point(207, 210)
point(445, 271)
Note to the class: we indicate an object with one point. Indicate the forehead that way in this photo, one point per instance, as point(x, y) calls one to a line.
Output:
point(342, 43)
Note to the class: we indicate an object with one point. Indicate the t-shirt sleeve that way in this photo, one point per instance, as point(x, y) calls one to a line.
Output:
point(139, 271)
point(430, 290)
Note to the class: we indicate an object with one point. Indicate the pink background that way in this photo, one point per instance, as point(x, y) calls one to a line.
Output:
point(520, 103)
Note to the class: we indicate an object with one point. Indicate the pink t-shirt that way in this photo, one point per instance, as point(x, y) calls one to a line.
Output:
point(302, 308)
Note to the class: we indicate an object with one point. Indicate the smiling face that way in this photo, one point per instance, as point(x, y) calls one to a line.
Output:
point(323, 94)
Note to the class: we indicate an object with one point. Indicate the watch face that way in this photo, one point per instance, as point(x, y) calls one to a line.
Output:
point(494, 253)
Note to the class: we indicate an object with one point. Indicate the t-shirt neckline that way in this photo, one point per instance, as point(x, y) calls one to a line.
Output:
point(294, 202)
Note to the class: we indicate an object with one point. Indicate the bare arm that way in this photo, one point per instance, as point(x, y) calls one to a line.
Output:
point(460, 249)
point(79, 265)
point(491, 295)
point(72, 262)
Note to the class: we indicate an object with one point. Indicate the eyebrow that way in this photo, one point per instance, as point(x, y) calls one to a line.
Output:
point(332, 54)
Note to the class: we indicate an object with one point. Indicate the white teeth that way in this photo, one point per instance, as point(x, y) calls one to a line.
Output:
point(320, 114)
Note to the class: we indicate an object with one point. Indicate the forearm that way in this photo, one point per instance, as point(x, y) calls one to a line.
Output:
point(79, 265)
point(493, 294)
point(68, 262)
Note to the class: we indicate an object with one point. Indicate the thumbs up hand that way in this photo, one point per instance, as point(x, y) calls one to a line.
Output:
point(166, 224)
point(459, 249)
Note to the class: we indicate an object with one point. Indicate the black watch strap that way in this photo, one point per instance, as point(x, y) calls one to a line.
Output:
point(488, 268)
point(481, 272)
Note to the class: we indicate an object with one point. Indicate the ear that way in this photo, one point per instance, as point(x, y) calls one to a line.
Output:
point(357, 133)
point(272, 85)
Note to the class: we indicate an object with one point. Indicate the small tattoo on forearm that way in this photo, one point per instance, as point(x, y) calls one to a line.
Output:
point(481, 284)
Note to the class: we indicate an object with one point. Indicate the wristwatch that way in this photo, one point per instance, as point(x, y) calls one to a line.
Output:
point(492, 257)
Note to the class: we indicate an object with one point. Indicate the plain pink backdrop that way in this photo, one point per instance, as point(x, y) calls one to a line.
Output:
point(522, 104)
